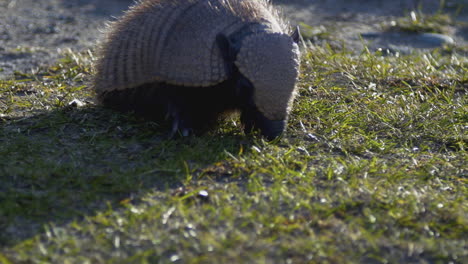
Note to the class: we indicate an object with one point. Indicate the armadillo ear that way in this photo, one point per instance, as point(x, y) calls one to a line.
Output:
point(228, 51)
point(296, 35)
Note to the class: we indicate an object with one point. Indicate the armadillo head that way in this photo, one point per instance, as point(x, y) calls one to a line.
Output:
point(269, 62)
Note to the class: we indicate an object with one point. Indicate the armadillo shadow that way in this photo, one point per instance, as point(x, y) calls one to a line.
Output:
point(60, 166)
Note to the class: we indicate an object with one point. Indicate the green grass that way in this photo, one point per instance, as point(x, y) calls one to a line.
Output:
point(372, 170)
point(440, 21)
point(417, 22)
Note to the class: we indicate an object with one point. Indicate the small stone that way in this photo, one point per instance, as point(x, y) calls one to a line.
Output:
point(203, 196)
point(76, 103)
point(434, 39)
point(203, 193)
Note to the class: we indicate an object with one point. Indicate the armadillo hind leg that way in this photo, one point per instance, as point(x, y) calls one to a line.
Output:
point(143, 101)
point(194, 110)
point(186, 110)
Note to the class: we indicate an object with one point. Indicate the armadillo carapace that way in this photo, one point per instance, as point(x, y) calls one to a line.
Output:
point(191, 61)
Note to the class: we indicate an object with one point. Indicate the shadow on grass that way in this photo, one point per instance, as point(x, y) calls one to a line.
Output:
point(65, 164)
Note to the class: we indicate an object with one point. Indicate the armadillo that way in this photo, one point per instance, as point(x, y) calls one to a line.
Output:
point(192, 61)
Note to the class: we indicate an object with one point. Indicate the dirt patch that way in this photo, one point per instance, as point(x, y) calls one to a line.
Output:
point(350, 21)
point(34, 33)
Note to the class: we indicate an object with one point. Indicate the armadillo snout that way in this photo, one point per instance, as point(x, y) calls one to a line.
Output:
point(256, 121)
point(273, 129)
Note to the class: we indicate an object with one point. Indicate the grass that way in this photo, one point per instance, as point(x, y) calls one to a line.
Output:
point(372, 170)
point(418, 21)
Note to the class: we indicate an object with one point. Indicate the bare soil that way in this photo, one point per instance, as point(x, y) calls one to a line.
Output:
point(34, 33)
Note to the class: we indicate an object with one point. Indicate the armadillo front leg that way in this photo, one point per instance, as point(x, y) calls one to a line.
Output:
point(180, 122)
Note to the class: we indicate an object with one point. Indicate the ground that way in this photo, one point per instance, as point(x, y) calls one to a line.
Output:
point(372, 168)
point(38, 32)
